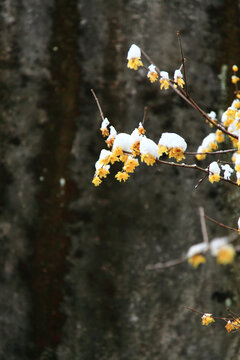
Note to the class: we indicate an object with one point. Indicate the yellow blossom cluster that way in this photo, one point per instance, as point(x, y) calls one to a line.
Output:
point(231, 324)
point(154, 74)
point(218, 247)
point(127, 148)
point(207, 319)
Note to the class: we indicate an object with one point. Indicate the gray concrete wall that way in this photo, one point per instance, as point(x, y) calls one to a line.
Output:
point(73, 279)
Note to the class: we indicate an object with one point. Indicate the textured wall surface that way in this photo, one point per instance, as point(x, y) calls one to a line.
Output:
point(73, 280)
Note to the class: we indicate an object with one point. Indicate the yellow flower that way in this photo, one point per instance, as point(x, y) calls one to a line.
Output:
point(153, 76)
point(214, 178)
point(207, 319)
point(135, 148)
point(238, 181)
point(201, 156)
point(235, 68)
point(122, 176)
point(124, 158)
point(196, 260)
point(162, 149)
point(229, 326)
point(134, 63)
point(176, 153)
point(118, 151)
point(213, 146)
point(141, 130)
point(237, 104)
point(102, 172)
point(235, 79)
point(130, 165)
point(110, 142)
point(105, 160)
point(96, 181)
point(180, 81)
point(164, 84)
point(226, 255)
point(105, 132)
point(232, 325)
point(220, 136)
point(237, 168)
point(148, 159)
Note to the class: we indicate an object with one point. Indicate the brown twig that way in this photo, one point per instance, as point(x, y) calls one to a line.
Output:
point(219, 152)
point(183, 62)
point(220, 224)
point(200, 181)
point(144, 114)
point(183, 94)
point(167, 264)
point(203, 225)
point(98, 104)
point(193, 166)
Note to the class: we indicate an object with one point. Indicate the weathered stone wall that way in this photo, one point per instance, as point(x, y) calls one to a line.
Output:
point(73, 257)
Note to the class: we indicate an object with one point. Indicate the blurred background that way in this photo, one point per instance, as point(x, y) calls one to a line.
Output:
point(73, 279)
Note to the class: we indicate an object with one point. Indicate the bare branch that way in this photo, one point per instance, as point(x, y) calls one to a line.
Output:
point(166, 264)
point(183, 60)
point(98, 104)
point(203, 225)
point(144, 114)
point(219, 224)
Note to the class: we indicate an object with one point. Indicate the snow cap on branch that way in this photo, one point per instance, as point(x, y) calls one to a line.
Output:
point(147, 146)
point(227, 171)
point(134, 52)
point(200, 248)
point(172, 140)
point(124, 141)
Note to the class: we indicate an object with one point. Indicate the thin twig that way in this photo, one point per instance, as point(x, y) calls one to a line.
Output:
point(220, 224)
point(183, 62)
point(200, 181)
point(166, 264)
point(193, 166)
point(98, 104)
point(183, 94)
point(203, 225)
point(144, 114)
point(219, 152)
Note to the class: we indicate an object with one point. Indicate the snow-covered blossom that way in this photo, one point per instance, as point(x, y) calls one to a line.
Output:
point(214, 172)
point(212, 115)
point(195, 254)
point(152, 73)
point(224, 251)
point(148, 150)
point(104, 128)
point(133, 57)
point(207, 319)
point(178, 78)
point(111, 137)
point(164, 81)
point(200, 248)
point(173, 145)
point(226, 254)
point(227, 171)
point(123, 141)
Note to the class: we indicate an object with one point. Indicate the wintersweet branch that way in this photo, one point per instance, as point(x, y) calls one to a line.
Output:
point(166, 264)
point(98, 104)
point(220, 224)
point(193, 166)
point(183, 94)
point(219, 152)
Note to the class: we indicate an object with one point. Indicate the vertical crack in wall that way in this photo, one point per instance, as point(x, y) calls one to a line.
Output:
point(51, 242)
